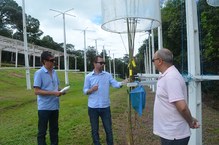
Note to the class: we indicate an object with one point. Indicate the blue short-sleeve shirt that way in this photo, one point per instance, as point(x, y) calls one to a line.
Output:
point(45, 81)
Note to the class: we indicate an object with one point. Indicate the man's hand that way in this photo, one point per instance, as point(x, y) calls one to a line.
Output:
point(91, 90)
point(194, 124)
point(125, 81)
point(57, 93)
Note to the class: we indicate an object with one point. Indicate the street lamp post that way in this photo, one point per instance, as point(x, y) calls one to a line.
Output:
point(26, 49)
point(65, 53)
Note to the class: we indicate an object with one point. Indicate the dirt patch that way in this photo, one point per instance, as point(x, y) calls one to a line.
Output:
point(142, 127)
point(16, 75)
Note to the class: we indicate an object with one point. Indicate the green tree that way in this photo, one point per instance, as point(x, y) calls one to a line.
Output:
point(9, 13)
point(209, 37)
point(12, 24)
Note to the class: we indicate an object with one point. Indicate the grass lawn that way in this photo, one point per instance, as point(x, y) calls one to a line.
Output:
point(18, 110)
point(18, 114)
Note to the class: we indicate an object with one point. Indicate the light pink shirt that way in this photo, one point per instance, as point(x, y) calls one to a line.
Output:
point(168, 122)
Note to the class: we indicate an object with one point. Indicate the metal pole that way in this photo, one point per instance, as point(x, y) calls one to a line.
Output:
point(65, 53)
point(145, 68)
point(194, 88)
point(26, 49)
point(85, 54)
point(75, 63)
point(85, 51)
point(104, 58)
point(59, 62)
point(34, 58)
point(149, 55)
point(153, 51)
point(149, 51)
point(110, 63)
point(114, 67)
point(96, 45)
point(160, 38)
point(16, 57)
point(147, 59)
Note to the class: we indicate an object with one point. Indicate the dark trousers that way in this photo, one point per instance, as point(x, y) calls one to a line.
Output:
point(105, 115)
point(183, 141)
point(48, 117)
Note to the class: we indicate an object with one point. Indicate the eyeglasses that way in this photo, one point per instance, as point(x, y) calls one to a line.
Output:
point(51, 60)
point(101, 63)
point(154, 59)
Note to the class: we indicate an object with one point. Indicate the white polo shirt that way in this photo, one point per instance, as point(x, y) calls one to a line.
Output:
point(168, 122)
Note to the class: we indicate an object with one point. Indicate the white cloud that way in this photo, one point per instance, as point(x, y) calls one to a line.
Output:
point(86, 12)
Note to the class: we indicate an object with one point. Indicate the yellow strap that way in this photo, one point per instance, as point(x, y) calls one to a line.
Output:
point(130, 72)
point(133, 63)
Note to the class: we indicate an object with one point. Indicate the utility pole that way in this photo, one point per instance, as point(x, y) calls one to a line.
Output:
point(96, 44)
point(85, 50)
point(194, 86)
point(104, 57)
point(110, 63)
point(65, 53)
point(26, 49)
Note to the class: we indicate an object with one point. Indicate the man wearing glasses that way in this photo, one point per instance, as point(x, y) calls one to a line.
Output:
point(96, 86)
point(46, 87)
point(172, 117)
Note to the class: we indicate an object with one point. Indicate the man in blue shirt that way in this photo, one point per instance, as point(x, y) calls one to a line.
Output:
point(46, 87)
point(96, 85)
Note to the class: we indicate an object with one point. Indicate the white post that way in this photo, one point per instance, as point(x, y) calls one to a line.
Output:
point(65, 53)
point(153, 51)
point(194, 90)
point(96, 45)
point(149, 55)
point(16, 57)
point(68, 59)
point(114, 67)
point(26, 49)
point(146, 55)
point(85, 54)
point(149, 51)
point(59, 62)
point(104, 58)
point(145, 62)
point(110, 71)
point(160, 38)
point(75, 63)
point(34, 57)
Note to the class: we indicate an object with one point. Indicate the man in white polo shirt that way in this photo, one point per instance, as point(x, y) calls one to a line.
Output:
point(172, 117)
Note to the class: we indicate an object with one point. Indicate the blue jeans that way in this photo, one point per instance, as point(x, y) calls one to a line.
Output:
point(105, 115)
point(183, 141)
point(45, 117)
